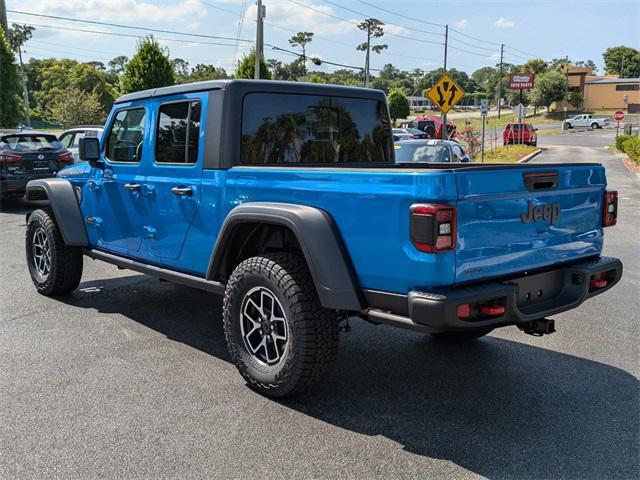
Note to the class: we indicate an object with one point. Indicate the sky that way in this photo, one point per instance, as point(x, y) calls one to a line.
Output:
point(579, 29)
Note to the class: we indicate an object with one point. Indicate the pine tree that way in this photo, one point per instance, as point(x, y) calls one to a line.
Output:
point(150, 67)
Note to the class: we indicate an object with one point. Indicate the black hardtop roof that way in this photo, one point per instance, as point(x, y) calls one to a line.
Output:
point(257, 86)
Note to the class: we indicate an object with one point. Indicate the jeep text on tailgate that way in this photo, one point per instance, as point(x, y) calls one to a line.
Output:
point(285, 198)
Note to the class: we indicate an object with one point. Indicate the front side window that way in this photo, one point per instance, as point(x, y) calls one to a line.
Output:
point(178, 133)
point(311, 129)
point(124, 143)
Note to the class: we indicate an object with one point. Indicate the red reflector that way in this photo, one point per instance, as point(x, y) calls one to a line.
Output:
point(598, 283)
point(497, 310)
point(464, 310)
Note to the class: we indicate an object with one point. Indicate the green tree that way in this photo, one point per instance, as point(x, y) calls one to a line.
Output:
point(117, 64)
point(374, 29)
point(623, 61)
point(76, 107)
point(247, 66)
point(46, 79)
point(10, 103)
point(536, 66)
point(19, 34)
point(588, 64)
point(398, 104)
point(575, 99)
point(483, 77)
point(203, 72)
point(150, 67)
point(549, 87)
point(302, 39)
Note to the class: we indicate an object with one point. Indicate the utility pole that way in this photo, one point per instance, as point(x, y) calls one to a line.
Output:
point(3, 19)
point(446, 46)
point(500, 80)
point(366, 58)
point(25, 92)
point(259, 38)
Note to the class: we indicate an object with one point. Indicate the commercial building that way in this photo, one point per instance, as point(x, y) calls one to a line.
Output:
point(607, 92)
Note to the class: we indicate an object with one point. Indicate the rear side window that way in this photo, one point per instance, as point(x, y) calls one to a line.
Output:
point(281, 129)
point(126, 136)
point(178, 133)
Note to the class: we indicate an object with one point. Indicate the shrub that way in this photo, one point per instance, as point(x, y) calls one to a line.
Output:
point(631, 146)
point(620, 139)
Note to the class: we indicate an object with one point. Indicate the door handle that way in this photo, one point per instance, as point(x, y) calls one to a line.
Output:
point(182, 191)
point(133, 187)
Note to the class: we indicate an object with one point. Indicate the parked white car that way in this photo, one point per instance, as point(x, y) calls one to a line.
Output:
point(586, 120)
point(70, 139)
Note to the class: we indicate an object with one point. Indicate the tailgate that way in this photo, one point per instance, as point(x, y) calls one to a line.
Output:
point(512, 219)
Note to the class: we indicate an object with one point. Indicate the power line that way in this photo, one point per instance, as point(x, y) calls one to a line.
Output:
point(471, 44)
point(439, 34)
point(129, 35)
point(135, 27)
point(400, 15)
point(483, 55)
point(356, 24)
point(474, 38)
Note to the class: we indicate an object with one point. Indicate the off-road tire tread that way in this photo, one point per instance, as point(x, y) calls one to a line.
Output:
point(66, 261)
point(316, 327)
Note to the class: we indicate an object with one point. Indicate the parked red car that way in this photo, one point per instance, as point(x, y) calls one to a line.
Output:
point(520, 133)
point(432, 126)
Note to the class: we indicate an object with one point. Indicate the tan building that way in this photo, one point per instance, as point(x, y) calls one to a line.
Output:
point(607, 92)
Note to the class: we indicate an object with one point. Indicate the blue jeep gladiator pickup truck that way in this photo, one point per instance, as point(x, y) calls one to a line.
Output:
point(286, 199)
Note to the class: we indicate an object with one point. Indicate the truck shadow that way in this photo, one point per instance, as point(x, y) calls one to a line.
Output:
point(499, 408)
point(16, 206)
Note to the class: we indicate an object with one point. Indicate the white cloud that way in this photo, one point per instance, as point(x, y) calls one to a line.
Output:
point(464, 23)
point(122, 10)
point(494, 56)
point(504, 23)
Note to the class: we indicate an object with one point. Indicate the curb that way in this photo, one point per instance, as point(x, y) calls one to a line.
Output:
point(531, 156)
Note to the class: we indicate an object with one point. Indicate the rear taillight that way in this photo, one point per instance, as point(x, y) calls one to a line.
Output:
point(6, 157)
point(610, 208)
point(433, 227)
point(65, 157)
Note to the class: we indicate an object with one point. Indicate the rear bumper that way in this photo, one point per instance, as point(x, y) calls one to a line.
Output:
point(11, 185)
point(523, 298)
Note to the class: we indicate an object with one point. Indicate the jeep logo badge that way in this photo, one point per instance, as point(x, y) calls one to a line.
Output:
point(548, 212)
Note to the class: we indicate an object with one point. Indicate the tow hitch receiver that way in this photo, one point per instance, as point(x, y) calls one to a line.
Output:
point(538, 328)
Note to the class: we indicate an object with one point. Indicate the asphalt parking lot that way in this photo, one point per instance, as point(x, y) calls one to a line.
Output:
point(129, 377)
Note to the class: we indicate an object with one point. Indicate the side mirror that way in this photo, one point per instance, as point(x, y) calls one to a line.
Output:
point(466, 158)
point(89, 151)
point(535, 129)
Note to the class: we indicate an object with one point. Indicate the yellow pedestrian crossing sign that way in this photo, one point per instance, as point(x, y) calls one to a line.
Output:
point(445, 93)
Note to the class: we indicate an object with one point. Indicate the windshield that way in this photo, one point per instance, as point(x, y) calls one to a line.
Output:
point(422, 153)
point(30, 143)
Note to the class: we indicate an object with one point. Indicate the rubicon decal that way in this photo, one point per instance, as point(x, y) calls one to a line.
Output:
point(539, 213)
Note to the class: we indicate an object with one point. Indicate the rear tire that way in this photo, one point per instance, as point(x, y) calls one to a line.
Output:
point(463, 336)
point(55, 268)
point(279, 336)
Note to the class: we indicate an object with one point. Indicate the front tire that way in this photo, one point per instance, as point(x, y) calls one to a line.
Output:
point(463, 336)
point(280, 338)
point(594, 126)
point(55, 268)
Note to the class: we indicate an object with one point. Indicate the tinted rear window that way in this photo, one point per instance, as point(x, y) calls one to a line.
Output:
point(310, 129)
point(30, 143)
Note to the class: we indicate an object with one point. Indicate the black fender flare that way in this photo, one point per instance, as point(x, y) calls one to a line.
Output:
point(319, 239)
point(59, 195)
